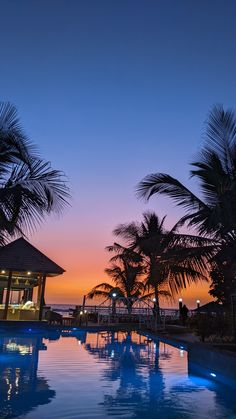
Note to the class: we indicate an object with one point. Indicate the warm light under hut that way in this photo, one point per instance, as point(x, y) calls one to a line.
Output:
point(23, 273)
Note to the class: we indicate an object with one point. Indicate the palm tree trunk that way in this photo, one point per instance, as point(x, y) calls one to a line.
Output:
point(129, 307)
point(156, 308)
point(113, 310)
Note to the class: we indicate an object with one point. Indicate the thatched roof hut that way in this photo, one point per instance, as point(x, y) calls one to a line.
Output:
point(23, 267)
point(21, 256)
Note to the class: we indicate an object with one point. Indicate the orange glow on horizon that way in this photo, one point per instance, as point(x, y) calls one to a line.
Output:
point(84, 264)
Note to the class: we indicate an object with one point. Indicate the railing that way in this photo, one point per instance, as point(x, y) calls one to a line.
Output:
point(103, 314)
point(145, 311)
point(106, 311)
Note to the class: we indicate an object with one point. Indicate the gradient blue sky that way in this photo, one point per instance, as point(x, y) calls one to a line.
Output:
point(111, 90)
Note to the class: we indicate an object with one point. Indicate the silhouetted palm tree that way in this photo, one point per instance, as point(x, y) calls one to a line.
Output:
point(171, 260)
point(29, 187)
point(223, 273)
point(135, 256)
point(127, 287)
point(214, 211)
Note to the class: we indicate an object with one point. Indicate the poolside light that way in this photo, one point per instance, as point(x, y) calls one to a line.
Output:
point(180, 303)
point(213, 374)
point(81, 313)
point(74, 328)
point(85, 311)
point(28, 273)
point(3, 272)
point(30, 330)
point(114, 295)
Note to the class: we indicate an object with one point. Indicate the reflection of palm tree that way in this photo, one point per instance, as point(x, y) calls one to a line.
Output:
point(155, 392)
point(21, 388)
point(130, 362)
point(137, 367)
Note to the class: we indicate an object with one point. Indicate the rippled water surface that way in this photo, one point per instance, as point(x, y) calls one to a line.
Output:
point(102, 375)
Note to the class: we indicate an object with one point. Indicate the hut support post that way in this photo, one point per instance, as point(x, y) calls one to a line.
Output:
point(1, 295)
point(30, 294)
point(25, 296)
point(39, 292)
point(7, 295)
point(42, 297)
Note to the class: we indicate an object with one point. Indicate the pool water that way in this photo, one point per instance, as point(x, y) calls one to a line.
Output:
point(74, 374)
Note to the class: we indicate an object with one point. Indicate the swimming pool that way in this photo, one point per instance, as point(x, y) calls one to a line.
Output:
point(74, 374)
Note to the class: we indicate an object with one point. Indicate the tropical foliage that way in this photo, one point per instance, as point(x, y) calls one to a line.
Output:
point(213, 212)
point(170, 260)
point(29, 187)
point(153, 263)
point(223, 273)
point(127, 283)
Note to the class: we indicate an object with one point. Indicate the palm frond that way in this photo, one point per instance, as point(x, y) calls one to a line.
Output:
point(31, 192)
point(220, 135)
point(161, 183)
point(101, 290)
point(15, 146)
point(167, 257)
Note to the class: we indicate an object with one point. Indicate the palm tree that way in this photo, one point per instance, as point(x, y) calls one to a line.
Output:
point(29, 187)
point(134, 256)
point(15, 146)
point(171, 260)
point(128, 286)
point(223, 271)
point(213, 213)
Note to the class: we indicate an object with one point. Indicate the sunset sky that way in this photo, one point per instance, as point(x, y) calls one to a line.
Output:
point(111, 90)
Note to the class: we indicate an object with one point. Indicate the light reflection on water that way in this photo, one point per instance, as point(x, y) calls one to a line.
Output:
point(102, 375)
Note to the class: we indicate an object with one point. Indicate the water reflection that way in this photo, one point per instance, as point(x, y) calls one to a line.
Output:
point(102, 375)
point(21, 389)
point(134, 361)
point(149, 382)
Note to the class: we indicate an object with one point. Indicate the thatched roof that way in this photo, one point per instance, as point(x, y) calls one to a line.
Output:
point(21, 256)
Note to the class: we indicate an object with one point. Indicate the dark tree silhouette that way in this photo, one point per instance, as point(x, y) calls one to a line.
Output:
point(171, 260)
point(29, 187)
point(213, 212)
point(128, 285)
